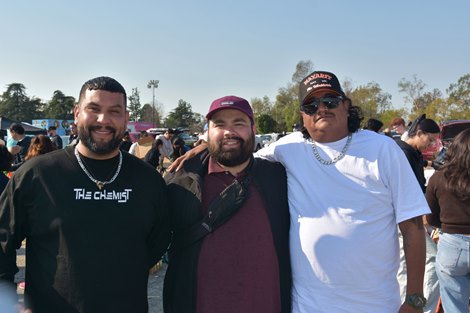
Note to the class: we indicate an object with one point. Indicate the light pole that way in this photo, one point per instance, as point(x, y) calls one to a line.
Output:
point(153, 84)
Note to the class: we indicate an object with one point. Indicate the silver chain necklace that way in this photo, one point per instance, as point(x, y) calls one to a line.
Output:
point(337, 158)
point(99, 184)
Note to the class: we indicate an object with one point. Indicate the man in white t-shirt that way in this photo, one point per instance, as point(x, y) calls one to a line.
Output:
point(348, 189)
point(167, 148)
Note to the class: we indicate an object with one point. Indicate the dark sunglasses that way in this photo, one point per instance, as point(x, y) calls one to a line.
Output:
point(311, 107)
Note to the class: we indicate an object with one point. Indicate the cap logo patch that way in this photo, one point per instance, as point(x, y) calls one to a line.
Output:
point(317, 75)
point(227, 103)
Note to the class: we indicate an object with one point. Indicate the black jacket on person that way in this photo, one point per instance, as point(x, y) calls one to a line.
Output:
point(19, 158)
point(185, 188)
point(415, 158)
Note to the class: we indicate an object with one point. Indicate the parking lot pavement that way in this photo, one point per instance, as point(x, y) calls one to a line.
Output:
point(155, 290)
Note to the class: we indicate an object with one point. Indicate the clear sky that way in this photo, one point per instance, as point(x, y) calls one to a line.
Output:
point(202, 50)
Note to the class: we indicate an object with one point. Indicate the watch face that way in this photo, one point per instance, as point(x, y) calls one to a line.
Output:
point(416, 301)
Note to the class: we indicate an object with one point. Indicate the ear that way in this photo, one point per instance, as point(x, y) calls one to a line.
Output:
point(253, 128)
point(76, 112)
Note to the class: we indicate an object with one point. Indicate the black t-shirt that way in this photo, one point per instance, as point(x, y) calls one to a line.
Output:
point(57, 141)
point(416, 161)
point(19, 158)
point(88, 250)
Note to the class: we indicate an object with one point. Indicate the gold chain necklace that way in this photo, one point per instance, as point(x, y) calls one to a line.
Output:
point(337, 158)
point(100, 184)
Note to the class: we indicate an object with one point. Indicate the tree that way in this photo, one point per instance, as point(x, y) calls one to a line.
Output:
point(387, 116)
point(265, 124)
point(60, 106)
point(286, 108)
point(147, 113)
point(181, 116)
point(413, 90)
point(430, 103)
point(134, 107)
point(459, 98)
point(302, 69)
point(261, 106)
point(371, 99)
point(198, 125)
point(17, 105)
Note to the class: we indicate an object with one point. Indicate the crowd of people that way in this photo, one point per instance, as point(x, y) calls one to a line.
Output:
point(310, 223)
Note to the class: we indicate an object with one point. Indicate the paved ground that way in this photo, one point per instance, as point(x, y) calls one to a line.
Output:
point(155, 286)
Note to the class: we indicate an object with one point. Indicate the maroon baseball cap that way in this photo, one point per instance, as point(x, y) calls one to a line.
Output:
point(230, 102)
point(319, 80)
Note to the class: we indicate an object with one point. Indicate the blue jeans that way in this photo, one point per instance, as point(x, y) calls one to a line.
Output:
point(453, 271)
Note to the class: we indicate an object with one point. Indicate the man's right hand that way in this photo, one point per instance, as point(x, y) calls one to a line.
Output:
point(178, 163)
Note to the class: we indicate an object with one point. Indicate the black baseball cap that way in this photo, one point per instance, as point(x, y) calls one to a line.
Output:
point(319, 80)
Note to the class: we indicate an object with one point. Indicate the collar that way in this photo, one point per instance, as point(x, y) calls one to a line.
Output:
point(214, 167)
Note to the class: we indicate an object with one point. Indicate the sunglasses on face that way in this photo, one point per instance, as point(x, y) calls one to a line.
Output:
point(311, 107)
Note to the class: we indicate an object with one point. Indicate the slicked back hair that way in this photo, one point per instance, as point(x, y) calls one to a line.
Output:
point(103, 83)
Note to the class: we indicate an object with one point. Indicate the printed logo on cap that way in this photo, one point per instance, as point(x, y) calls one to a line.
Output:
point(227, 103)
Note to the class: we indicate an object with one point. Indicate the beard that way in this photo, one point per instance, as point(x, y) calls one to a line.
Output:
point(231, 156)
point(84, 135)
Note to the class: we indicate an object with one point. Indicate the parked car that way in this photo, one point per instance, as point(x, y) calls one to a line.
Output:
point(449, 130)
point(269, 138)
point(188, 139)
point(258, 142)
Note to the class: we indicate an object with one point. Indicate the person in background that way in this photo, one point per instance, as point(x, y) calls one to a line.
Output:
point(18, 133)
point(56, 140)
point(126, 142)
point(141, 147)
point(73, 137)
point(167, 149)
point(153, 156)
point(12, 143)
point(5, 163)
point(398, 127)
point(95, 219)
point(179, 148)
point(243, 265)
point(448, 195)
point(373, 125)
point(423, 133)
point(40, 144)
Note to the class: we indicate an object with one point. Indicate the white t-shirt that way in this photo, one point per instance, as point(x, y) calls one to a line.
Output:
point(344, 216)
point(167, 149)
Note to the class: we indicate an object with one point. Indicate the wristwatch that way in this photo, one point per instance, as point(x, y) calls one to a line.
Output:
point(416, 300)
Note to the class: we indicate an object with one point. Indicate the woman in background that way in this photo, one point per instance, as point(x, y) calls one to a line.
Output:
point(422, 133)
point(154, 156)
point(40, 144)
point(448, 196)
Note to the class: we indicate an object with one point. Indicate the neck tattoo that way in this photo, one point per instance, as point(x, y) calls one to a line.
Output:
point(99, 184)
point(337, 158)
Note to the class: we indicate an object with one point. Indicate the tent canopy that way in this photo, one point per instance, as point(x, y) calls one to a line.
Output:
point(5, 124)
